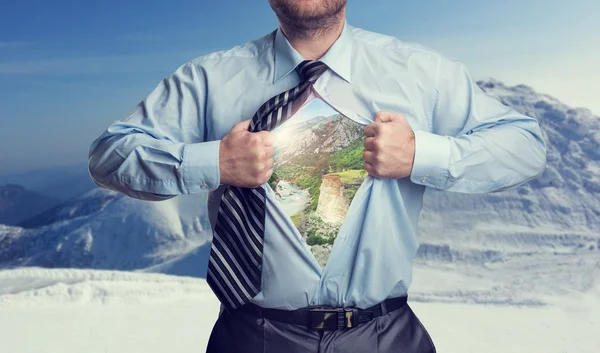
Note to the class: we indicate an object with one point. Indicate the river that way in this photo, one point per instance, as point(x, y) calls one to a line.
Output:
point(292, 198)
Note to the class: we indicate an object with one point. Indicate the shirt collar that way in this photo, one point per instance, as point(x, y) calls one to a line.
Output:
point(338, 57)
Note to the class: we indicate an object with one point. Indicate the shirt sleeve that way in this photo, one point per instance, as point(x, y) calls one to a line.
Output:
point(476, 143)
point(159, 151)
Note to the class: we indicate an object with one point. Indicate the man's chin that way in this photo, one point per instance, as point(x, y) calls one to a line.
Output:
point(310, 8)
point(307, 12)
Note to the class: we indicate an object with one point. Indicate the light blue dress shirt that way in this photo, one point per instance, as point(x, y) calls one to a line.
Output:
point(465, 141)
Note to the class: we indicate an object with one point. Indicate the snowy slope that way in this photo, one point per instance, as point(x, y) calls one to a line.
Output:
point(106, 230)
point(69, 311)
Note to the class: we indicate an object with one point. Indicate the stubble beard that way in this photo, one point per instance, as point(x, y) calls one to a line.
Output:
point(308, 23)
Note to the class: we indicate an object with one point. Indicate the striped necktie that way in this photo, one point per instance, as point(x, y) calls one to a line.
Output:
point(235, 261)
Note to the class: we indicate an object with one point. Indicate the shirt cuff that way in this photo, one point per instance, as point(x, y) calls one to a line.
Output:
point(199, 170)
point(432, 159)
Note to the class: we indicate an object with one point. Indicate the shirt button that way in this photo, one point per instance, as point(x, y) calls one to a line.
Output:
point(423, 179)
point(203, 186)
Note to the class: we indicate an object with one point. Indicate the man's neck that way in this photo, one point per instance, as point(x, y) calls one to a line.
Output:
point(314, 44)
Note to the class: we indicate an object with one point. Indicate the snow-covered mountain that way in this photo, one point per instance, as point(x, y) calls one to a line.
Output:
point(94, 311)
point(18, 204)
point(107, 230)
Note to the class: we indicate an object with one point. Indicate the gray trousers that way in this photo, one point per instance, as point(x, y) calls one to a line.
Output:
point(398, 331)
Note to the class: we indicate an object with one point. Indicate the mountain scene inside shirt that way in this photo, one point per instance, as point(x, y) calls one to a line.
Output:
point(318, 169)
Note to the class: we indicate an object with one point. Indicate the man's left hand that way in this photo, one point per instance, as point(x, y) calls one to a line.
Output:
point(389, 146)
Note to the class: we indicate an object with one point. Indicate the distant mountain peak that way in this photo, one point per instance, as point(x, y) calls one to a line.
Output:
point(18, 203)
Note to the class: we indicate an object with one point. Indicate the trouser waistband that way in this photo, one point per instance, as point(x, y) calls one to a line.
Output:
point(326, 318)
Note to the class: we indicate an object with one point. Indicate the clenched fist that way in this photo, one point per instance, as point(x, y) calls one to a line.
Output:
point(389, 146)
point(246, 158)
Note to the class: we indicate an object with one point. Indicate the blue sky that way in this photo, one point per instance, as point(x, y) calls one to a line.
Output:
point(312, 109)
point(70, 68)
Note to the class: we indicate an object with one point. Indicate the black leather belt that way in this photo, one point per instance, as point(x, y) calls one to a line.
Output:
point(325, 318)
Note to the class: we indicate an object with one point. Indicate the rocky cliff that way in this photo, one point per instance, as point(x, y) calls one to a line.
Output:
point(332, 205)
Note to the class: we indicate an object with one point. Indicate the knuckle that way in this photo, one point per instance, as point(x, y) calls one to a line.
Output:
point(261, 154)
point(269, 152)
point(254, 139)
point(256, 153)
point(377, 170)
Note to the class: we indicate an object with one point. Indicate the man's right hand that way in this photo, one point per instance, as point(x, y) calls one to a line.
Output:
point(246, 158)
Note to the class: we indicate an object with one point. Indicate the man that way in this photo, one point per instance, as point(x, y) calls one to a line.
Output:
point(427, 124)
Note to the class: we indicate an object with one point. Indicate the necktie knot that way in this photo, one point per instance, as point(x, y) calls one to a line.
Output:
point(310, 70)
